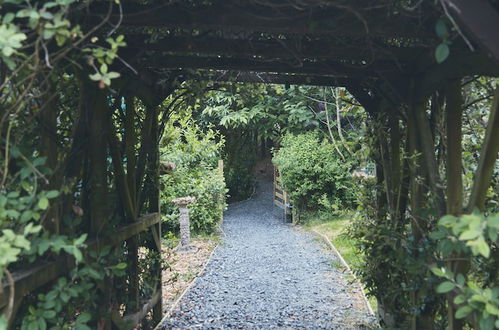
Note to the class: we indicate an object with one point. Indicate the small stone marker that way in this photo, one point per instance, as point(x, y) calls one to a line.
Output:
point(185, 231)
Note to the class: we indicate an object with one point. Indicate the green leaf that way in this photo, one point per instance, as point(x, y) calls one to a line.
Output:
point(483, 248)
point(9, 17)
point(52, 194)
point(121, 265)
point(460, 279)
point(462, 312)
point(468, 235)
point(459, 299)
point(447, 220)
point(492, 309)
point(438, 272)
point(442, 52)
point(445, 287)
point(49, 314)
point(3, 323)
point(441, 29)
point(78, 255)
point(80, 326)
point(84, 318)
point(80, 240)
point(43, 203)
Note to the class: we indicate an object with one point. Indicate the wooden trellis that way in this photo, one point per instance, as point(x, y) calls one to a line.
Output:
point(351, 46)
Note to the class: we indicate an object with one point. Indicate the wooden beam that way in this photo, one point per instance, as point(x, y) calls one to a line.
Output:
point(456, 66)
point(330, 69)
point(30, 279)
point(268, 78)
point(277, 48)
point(353, 21)
point(480, 19)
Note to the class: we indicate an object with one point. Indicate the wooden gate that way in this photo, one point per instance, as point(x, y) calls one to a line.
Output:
point(281, 198)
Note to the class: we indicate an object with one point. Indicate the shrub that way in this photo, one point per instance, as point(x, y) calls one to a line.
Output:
point(312, 173)
point(195, 154)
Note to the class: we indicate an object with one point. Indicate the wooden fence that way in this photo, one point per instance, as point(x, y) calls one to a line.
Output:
point(32, 278)
point(281, 198)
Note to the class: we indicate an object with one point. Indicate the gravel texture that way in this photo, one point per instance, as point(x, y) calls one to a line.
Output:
point(265, 274)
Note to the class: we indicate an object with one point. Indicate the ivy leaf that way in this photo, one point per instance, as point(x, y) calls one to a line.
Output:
point(445, 287)
point(442, 52)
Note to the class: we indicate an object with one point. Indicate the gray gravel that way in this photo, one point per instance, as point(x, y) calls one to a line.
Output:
point(265, 275)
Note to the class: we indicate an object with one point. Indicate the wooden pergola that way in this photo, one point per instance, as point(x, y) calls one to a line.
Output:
point(383, 52)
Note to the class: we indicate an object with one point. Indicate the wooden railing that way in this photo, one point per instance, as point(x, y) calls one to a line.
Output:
point(34, 277)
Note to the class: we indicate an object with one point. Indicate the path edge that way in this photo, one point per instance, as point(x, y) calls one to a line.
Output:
point(347, 267)
point(179, 298)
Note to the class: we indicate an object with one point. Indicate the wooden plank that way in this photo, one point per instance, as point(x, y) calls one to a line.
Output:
point(272, 49)
point(30, 279)
point(279, 204)
point(279, 195)
point(317, 68)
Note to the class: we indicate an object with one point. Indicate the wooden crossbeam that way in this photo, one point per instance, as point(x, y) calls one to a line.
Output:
point(330, 69)
point(30, 279)
point(268, 78)
point(275, 48)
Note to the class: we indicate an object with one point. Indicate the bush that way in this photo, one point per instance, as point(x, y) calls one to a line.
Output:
point(195, 154)
point(312, 174)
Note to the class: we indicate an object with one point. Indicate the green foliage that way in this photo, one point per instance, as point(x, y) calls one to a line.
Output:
point(312, 173)
point(195, 154)
point(442, 51)
point(71, 302)
point(469, 236)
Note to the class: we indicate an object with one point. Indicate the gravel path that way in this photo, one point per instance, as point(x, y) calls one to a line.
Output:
point(266, 275)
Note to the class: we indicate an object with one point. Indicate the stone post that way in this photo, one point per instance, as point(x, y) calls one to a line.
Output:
point(185, 232)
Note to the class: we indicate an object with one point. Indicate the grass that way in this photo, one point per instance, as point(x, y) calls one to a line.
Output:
point(335, 228)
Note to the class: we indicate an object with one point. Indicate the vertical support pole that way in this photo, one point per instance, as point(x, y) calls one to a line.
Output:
point(95, 102)
point(131, 165)
point(154, 206)
point(49, 150)
point(454, 113)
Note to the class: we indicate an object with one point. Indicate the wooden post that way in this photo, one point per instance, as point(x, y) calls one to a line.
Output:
point(49, 150)
point(131, 165)
point(155, 206)
point(454, 113)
